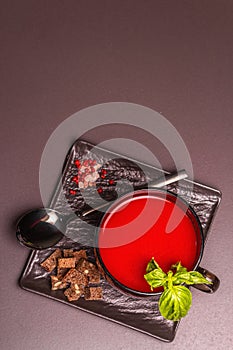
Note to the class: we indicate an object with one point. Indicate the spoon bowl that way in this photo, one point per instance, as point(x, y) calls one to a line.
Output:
point(40, 228)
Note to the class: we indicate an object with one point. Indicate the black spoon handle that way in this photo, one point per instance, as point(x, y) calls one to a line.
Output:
point(161, 182)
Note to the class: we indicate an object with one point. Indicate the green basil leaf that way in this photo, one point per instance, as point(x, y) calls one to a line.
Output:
point(179, 267)
point(197, 278)
point(156, 278)
point(152, 265)
point(175, 302)
point(189, 278)
point(181, 277)
point(176, 299)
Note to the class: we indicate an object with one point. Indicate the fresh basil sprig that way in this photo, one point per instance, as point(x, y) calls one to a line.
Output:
point(176, 299)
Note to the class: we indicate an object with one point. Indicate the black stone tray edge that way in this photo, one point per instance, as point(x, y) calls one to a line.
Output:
point(57, 189)
point(94, 313)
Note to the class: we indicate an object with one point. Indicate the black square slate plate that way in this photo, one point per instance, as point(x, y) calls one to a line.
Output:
point(141, 314)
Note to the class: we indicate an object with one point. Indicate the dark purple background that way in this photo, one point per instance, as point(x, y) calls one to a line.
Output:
point(58, 57)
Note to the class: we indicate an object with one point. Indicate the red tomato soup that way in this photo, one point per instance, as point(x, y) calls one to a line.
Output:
point(154, 224)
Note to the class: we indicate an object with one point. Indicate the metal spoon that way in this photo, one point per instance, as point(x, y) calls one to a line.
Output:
point(43, 228)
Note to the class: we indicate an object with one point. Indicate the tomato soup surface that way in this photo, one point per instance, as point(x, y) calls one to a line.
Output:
point(137, 229)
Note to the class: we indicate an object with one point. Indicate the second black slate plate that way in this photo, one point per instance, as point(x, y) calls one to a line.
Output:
point(141, 314)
